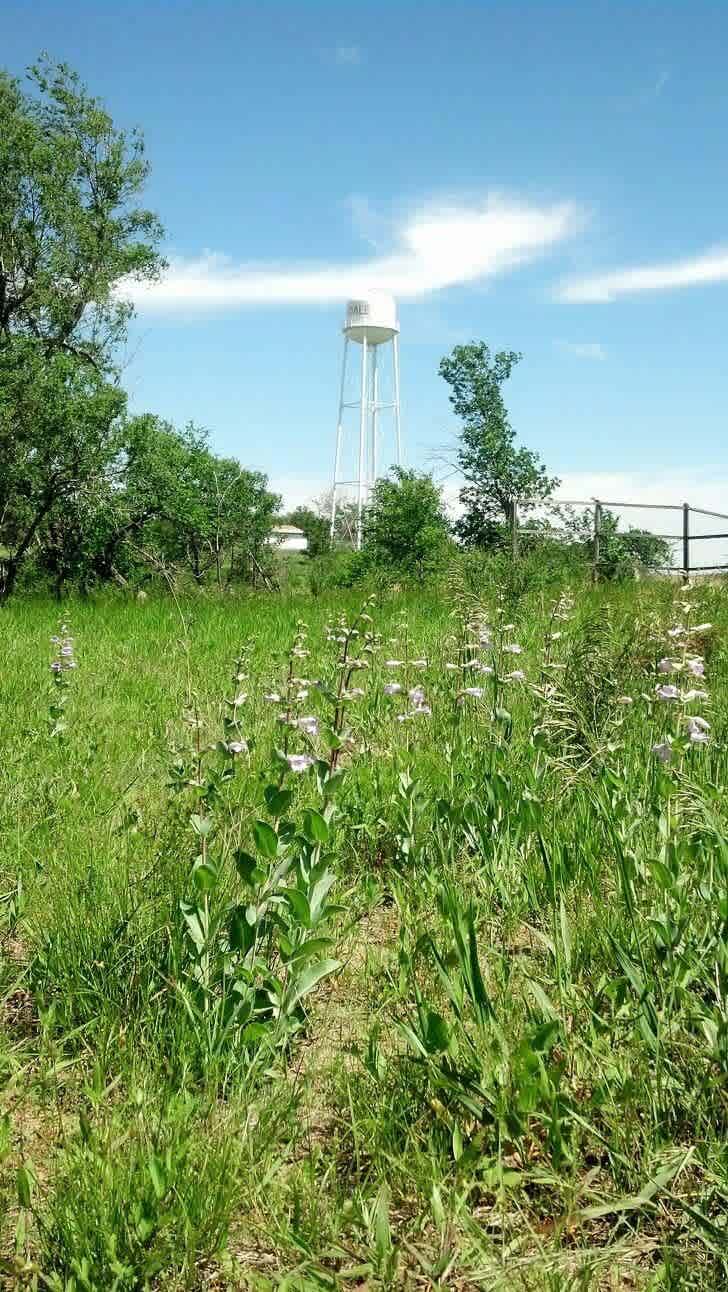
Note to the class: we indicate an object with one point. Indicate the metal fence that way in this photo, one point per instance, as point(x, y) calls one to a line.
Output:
point(683, 540)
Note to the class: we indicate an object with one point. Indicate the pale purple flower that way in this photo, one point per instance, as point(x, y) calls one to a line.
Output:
point(699, 737)
point(517, 675)
point(272, 697)
point(625, 700)
point(675, 632)
point(56, 666)
point(667, 692)
point(238, 747)
point(692, 694)
point(417, 696)
point(419, 663)
point(513, 649)
point(393, 663)
point(309, 725)
point(423, 710)
point(299, 762)
point(697, 724)
point(392, 688)
point(663, 750)
point(302, 695)
point(453, 668)
point(696, 667)
point(667, 666)
point(476, 691)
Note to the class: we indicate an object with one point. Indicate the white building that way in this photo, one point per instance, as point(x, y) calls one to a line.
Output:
point(288, 538)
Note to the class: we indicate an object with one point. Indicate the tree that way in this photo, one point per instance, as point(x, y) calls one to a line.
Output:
point(70, 229)
point(495, 470)
point(347, 517)
point(406, 529)
point(60, 428)
point(70, 235)
point(315, 526)
point(620, 553)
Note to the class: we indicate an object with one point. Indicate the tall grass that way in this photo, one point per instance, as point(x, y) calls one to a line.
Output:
point(379, 945)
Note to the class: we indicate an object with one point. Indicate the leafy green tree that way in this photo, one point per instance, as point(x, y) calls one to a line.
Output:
point(60, 428)
point(315, 526)
point(621, 553)
point(496, 471)
point(406, 529)
point(71, 233)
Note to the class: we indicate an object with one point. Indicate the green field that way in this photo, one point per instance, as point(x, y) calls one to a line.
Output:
point(446, 1008)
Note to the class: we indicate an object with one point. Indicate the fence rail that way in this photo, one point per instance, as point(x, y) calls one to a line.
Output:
point(597, 505)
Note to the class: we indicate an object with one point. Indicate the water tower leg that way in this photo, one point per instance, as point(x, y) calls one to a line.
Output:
point(362, 442)
point(375, 398)
point(339, 432)
point(395, 351)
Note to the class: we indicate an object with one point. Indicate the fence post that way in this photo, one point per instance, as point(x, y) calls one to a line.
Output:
point(514, 528)
point(597, 532)
point(686, 541)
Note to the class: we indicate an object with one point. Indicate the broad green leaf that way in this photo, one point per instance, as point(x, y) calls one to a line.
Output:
point(266, 839)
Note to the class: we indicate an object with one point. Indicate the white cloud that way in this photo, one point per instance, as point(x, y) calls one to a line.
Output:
point(348, 55)
point(711, 267)
point(583, 349)
point(438, 246)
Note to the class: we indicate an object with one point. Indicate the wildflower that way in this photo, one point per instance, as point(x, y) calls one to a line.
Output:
point(355, 693)
point(667, 692)
point(694, 695)
point(625, 700)
point(302, 694)
point(393, 663)
point(392, 688)
point(667, 666)
point(272, 697)
point(239, 699)
point(299, 762)
point(56, 666)
point(476, 691)
point(419, 663)
point(699, 737)
point(697, 724)
point(696, 667)
point(453, 668)
point(238, 747)
point(676, 632)
point(417, 695)
point(555, 637)
point(517, 675)
point(663, 750)
point(508, 628)
point(309, 725)
point(701, 628)
point(513, 649)
point(404, 717)
point(485, 668)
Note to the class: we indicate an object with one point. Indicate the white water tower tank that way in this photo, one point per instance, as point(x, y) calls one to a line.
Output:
point(372, 318)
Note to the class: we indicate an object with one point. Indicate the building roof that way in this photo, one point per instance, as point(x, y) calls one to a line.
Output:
point(287, 529)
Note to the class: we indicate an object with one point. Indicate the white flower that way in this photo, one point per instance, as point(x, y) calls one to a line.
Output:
point(696, 667)
point(404, 717)
point(453, 668)
point(667, 692)
point(513, 649)
point(272, 697)
point(625, 700)
point(239, 699)
point(419, 663)
point(393, 663)
point(354, 694)
point(701, 628)
point(697, 724)
point(663, 750)
point(302, 694)
point(238, 747)
point(517, 675)
point(417, 696)
point(675, 632)
point(667, 666)
point(555, 637)
point(694, 695)
point(476, 691)
point(392, 688)
point(308, 724)
point(299, 762)
point(699, 737)
point(423, 710)
point(485, 668)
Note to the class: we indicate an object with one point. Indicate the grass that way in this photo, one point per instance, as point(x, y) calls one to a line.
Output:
point(446, 1008)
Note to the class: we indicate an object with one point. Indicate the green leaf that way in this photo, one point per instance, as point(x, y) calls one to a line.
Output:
point(247, 868)
point(277, 801)
point(315, 827)
point(157, 1175)
point(298, 903)
point(266, 839)
point(24, 1186)
point(205, 877)
point(309, 977)
point(201, 825)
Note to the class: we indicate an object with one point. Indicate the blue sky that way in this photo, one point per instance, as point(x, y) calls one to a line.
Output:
point(547, 177)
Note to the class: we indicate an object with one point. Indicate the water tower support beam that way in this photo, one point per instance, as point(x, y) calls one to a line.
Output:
point(375, 410)
point(339, 433)
point(362, 441)
point(395, 355)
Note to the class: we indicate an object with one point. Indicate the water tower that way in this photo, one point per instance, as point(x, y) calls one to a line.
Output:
point(371, 322)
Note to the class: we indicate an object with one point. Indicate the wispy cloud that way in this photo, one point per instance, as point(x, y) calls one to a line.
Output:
point(437, 246)
point(348, 55)
point(583, 349)
point(711, 267)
